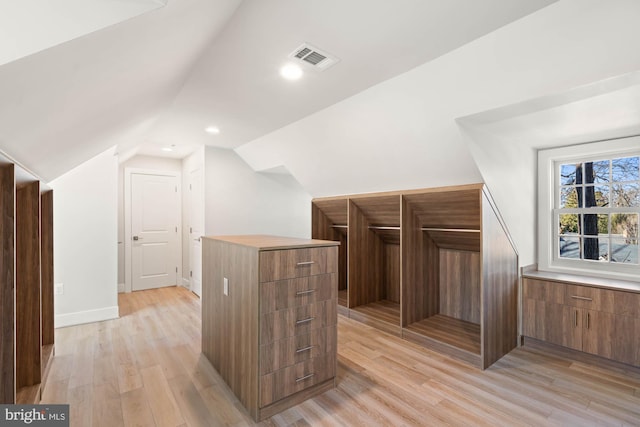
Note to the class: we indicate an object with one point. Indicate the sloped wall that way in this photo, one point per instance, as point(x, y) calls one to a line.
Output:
point(402, 133)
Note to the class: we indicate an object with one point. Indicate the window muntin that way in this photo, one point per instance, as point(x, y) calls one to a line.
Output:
point(597, 207)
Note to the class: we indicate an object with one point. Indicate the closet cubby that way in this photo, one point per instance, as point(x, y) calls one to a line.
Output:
point(435, 266)
point(329, 218)
point(26, 285)
point(374, 261)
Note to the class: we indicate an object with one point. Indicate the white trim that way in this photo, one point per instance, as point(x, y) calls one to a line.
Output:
point(547, 159)
point(186, 283)
point(88, 316)
point(120, 288)
point(127, 220)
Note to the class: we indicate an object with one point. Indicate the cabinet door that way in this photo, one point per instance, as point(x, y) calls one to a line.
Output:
point(554, 323)
point(626, 339)
point(598, 333)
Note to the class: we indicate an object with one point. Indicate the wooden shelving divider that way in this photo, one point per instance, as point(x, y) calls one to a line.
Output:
point(26, 285)
point(435, 266)
point(329, 219)
point(7, 283)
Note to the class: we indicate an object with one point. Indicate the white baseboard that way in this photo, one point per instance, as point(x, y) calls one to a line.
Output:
point(120, 288)
point(89, 316)
point(186, 283)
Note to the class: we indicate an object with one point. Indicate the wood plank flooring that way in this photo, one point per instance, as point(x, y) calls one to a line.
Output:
point(145, 369)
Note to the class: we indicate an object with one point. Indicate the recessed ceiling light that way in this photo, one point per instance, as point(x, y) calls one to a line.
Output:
point(291, 71)
point(213, 130)
point(167, 149)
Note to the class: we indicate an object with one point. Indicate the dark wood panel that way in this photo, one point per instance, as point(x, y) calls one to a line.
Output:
point(499, 288)
point(391, 272)
point(230, 322)
point(456, 208)
point(287, 381)
point(412, 267)
point(28, 333)
point(599, 333)
point(380, 210)
point(460, 285)
point(46, 250)
point(334, 209)
point(590, 298)
point(288, 352)
point(329, 222)
point(557, 324)
point(365, 259)
point(458, 240)
point(297, 320)
point(625, 346)
point(296, 292)
point(542, 290)
point(291, 263)
point(7, 281)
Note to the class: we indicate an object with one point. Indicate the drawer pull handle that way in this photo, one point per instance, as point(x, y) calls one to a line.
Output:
point(300, 264)
point(306, 377)
point(310, 291)
point(300, 322)
point(302, 350)
point(581, 298)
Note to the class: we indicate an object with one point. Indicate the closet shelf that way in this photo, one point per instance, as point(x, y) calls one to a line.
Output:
point(455, 230)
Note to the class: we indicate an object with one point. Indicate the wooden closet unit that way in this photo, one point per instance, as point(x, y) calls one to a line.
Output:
point(26, 285)
point(435, 266)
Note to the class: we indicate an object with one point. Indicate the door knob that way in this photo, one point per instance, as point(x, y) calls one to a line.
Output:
point(137, 238)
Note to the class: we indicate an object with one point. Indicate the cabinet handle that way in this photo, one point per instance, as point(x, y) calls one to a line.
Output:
point(306, 377)
point(588, 320)
point(302, 350)
point(300, 322)
point(310, 291)
point(581, 298)
point(575, 318)
point(305, 263)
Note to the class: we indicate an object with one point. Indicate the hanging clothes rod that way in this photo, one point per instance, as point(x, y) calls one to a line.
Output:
point(458, 230)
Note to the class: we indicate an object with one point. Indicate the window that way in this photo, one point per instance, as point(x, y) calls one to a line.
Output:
point(589, 208)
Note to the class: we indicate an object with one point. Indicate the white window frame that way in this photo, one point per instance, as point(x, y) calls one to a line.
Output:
point(548, 159)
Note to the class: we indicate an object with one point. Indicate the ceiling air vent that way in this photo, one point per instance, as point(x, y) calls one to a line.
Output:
point(316, 58)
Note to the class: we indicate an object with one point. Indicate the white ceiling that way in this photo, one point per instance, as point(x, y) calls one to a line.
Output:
point(161, 77)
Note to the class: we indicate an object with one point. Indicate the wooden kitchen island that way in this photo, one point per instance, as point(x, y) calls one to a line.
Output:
point(269, 316)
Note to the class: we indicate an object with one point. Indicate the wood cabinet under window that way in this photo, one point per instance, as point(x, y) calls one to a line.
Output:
point(26, 285)
point(435, 266)
point(591, 319)
point(269, 318)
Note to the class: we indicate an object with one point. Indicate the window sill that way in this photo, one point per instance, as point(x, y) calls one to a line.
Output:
point(616, 284)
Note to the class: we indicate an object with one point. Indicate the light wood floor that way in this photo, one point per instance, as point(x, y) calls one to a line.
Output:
point(145, 369)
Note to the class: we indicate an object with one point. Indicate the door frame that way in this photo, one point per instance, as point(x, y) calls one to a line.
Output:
point(127, 220)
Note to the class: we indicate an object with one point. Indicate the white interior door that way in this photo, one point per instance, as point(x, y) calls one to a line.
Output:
point(154, 231)
point(196, 228)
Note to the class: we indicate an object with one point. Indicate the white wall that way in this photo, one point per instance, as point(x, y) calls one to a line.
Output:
point(85, 241)
point(402, 133)
point(161, 164)
point(239, 200)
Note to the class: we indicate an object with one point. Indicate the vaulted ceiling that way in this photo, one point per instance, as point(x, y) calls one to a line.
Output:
point(144, 75)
